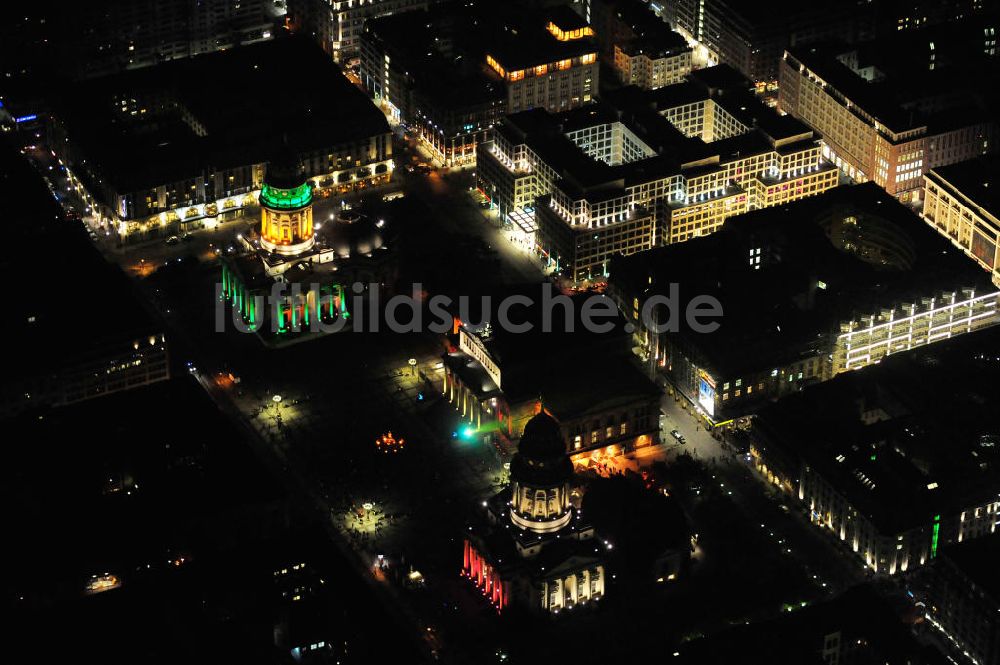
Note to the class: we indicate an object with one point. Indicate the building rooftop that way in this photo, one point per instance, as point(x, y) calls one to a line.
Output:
point(556, 363)
point(653, 35)
point(977, 559)
point(929, 77)
point(813, 274)
point(583, 177)
point(870, 630)
point(445, 76)
point(79, 304)
point(445, 47)
point(977, 180)
point(150, 126)
point(877, 433)
point(519, 39)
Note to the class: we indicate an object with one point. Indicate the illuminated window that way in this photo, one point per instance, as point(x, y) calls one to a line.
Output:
point(589, 58)
point(541, 70)
point(565, 64)
point(491, 61)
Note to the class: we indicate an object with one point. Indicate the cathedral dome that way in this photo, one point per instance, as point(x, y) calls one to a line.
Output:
point(542, 439)
point(540, 475)
point(284, 170)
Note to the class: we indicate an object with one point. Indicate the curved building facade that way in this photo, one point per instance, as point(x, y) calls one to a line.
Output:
point(286, 221)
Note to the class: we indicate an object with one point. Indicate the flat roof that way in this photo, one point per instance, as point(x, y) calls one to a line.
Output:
point(519, 40)
point(226, 109)
point(877, 433)
point(976, 180)
point(73, 303)
point(561, 362)
point(778, 313)
point(452, 78)
point(929, 77)
point(977, 559)
point(641, 111)
point(653, 35)
point(861, 616)
point(452, 39)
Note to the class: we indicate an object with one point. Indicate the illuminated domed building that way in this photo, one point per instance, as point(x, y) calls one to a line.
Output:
point(286, 220)
point(536, 550)
point(540, 477)
point(284, 252)
point(313, 264)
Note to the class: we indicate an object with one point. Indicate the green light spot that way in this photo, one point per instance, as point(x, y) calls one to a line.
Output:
point(286, 199)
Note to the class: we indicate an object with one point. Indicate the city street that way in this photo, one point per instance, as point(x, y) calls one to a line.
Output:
point(314, 412)
point(780, 516)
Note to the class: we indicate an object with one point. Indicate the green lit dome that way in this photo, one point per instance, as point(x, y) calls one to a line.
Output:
point(293, 198)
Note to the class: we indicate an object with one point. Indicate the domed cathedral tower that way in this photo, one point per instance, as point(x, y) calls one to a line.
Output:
point(286, 221)
point(534, 548)
point(540, 476)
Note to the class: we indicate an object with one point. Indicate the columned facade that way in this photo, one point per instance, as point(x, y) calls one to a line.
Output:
point(573, 589)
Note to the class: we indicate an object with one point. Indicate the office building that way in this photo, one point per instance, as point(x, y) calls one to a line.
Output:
point(158, 152)
point(743, 35)
point(337, 25)
point(858, 626)
point(863, 452)
point(961, 203)
point(643, 49)
point(452, 72)
point(646, 168)
point(890, 112)
point(75, 340)
point(807, 290)
point(963, 597)
point(109, 36)
point(898, 15)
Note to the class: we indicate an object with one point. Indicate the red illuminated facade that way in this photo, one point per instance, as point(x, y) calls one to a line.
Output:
point(485, 576)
